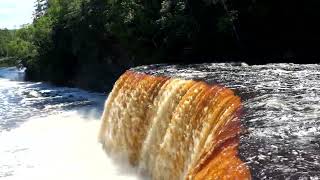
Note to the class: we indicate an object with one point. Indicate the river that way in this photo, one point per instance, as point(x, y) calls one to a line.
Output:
point(281, 112)
point(49, 132)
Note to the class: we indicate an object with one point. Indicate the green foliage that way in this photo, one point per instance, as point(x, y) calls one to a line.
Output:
point(5, 37)
point(90, 42)
point(16, 45)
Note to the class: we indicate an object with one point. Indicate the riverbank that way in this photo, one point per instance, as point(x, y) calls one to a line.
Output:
point(92, 77)
point(7, 62)
point(97, 76)
point(67, 44)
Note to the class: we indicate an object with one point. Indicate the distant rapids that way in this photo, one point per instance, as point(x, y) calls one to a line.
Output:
point(184, 121)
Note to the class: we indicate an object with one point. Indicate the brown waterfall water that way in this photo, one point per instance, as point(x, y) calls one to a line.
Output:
point(172, 128)
point(49, 132)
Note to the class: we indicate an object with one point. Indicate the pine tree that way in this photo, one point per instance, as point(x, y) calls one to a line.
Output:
point(40, 8)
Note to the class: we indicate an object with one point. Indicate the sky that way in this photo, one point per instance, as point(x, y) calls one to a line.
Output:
point(14, 13)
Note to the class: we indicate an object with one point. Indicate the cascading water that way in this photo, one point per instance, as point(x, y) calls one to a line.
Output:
point(49, 132)
point(173, 128)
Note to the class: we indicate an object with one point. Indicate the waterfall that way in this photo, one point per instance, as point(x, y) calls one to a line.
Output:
point(172, 128)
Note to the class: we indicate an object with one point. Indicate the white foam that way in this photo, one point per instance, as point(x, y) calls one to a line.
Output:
point(60, 147)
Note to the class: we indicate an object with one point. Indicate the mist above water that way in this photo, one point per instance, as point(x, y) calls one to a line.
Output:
point(60, 146)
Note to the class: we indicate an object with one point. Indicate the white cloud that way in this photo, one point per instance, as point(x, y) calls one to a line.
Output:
point(14, 13)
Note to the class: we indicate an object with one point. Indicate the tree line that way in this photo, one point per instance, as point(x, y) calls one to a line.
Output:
point(88, 43)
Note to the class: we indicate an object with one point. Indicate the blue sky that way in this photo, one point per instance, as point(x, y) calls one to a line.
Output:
point(14, 13)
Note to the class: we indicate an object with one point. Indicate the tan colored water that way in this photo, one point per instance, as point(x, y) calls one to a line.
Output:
point(41, 139)
point(174, 129)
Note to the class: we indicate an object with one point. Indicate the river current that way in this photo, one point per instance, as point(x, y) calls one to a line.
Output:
point(49, 132)
point(281, 112)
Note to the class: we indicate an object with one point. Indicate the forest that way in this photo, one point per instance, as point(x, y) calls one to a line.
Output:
point(89, 43)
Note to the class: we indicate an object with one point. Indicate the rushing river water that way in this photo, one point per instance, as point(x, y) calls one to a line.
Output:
point(281, 113)
point(49, 132)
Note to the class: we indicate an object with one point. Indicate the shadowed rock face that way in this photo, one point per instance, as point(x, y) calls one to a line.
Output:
point(173, 128)
point(281, 112)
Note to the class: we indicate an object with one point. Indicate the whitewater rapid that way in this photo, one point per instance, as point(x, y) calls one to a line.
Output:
point(49, 132)
point(281, 112)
